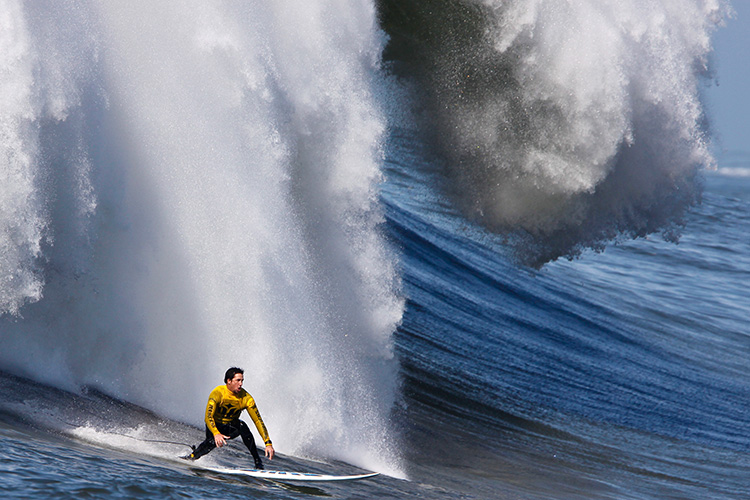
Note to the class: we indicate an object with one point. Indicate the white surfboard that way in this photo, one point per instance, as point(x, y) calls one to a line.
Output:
point(287, 475)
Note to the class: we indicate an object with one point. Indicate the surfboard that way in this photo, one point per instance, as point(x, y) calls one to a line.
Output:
point(288, 475)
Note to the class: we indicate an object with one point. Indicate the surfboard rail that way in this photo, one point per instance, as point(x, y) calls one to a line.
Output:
point(289, 475)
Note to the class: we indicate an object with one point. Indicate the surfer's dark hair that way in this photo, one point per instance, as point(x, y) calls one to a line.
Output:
point(229, 375)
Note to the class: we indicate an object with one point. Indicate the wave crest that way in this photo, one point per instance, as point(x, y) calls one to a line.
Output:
point(564, 124)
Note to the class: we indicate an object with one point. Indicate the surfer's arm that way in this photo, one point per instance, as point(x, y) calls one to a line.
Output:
point(252, 410)
point(209, 418)
point(219, 438)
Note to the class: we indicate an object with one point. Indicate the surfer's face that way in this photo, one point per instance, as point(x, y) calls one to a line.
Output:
point(235, 384)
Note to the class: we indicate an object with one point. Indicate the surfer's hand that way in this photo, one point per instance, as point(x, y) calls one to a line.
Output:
point(269, 452)
point(220, 440)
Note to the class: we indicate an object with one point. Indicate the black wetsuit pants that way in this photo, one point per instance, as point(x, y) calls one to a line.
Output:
point(232, 430)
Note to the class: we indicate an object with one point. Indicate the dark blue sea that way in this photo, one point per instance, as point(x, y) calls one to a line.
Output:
point(490, 250)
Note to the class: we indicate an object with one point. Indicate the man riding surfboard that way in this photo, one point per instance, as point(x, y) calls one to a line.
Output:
point(225, 404)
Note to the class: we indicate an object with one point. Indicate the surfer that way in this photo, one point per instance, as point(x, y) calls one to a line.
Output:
point(225, 403)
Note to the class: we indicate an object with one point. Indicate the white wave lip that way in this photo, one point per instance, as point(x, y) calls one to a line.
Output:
point(197, 188)
point(607, 90)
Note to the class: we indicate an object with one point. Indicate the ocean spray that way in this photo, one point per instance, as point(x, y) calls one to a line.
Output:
point(562, 124)
point(197, 188)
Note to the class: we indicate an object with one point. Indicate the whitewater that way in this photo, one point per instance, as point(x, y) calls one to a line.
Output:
point(460, 243)
point(189, 189)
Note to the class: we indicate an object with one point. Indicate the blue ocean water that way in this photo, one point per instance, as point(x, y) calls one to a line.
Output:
point(479, 248)
point(621, 374)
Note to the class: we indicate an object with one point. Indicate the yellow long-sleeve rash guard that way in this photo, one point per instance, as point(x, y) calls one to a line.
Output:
point(224, 407)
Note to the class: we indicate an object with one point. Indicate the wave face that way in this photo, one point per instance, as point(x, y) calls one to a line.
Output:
point(563, 124)
point(189, 189)
point(599, 375)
